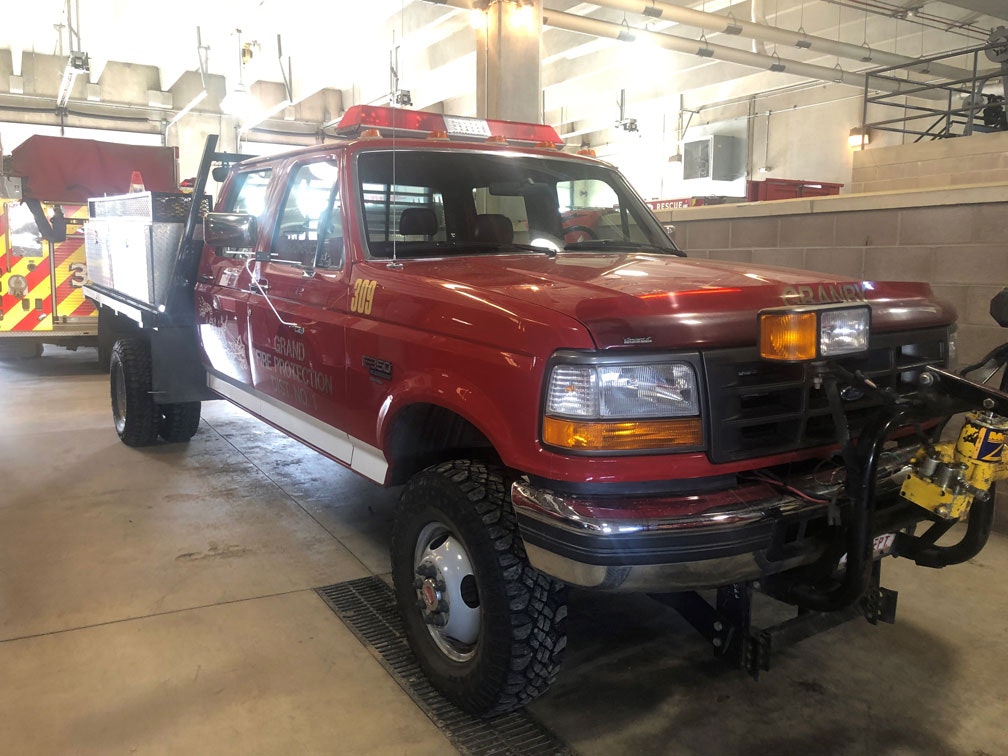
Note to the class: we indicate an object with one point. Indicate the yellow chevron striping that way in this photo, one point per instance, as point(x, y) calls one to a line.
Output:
point(69, 304)
point(18, 315)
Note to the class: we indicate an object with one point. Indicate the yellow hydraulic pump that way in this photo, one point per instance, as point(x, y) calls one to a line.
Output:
point(946, 478)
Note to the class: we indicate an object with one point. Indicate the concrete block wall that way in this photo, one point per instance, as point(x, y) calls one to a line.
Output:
point(953, 239)
point(980, 159)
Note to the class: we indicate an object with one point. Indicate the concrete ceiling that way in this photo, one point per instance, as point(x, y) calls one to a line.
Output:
point(995, 8)
point(349, 46)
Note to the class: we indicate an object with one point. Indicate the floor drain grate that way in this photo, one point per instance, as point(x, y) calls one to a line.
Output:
point(367, 606)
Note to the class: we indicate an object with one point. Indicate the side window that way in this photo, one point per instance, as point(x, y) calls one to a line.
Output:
point(591, 209)
point(25, 238)
point(310, 229)
point(248, 195)
point(251, 195)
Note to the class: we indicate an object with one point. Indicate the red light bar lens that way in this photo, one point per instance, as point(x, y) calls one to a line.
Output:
point(375, 116)
point(391, 118)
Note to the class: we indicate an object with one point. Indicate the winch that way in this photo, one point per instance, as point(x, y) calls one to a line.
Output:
point(946, 478)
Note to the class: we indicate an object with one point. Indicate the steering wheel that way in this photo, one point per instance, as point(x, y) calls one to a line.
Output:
point(579, 233)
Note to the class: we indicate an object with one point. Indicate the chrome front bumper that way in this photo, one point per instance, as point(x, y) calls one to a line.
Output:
point(672, 543)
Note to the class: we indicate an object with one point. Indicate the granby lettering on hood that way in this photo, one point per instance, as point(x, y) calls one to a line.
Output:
point(825, 293)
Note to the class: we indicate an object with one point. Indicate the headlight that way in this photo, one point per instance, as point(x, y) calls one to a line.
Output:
point(800, 333)
point(617, 406)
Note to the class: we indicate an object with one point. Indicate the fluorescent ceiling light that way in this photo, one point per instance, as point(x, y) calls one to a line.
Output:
point(185, 111)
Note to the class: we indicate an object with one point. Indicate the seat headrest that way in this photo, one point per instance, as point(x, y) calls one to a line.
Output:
point(418, 221)
point(492, 227)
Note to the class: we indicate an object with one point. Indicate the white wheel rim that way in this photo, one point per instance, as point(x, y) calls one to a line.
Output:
point(446, 594)
point(119, 409)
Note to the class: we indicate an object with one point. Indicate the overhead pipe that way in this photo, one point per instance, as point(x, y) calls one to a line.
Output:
point(704, 49)
point(716, 23)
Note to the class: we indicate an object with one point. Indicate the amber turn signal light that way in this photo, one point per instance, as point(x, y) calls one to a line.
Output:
point(788, 336)
point(629, 435)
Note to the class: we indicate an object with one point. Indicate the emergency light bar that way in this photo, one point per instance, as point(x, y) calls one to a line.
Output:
point(420, 123)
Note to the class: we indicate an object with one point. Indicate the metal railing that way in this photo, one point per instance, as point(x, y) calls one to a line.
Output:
point(939, 107)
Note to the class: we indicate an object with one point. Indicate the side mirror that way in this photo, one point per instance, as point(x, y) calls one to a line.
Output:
point(234, 230)
point(999, 308)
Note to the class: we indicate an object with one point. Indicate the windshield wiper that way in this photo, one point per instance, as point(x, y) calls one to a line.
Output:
point(440, 247)
point(607, 244)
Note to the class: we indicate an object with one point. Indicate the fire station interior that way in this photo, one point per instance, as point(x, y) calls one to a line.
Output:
point(173, 598)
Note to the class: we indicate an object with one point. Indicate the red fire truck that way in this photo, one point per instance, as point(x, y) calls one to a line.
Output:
point(598, 411)
point(45, 184)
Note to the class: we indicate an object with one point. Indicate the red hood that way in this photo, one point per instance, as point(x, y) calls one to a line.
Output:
point(660, 301)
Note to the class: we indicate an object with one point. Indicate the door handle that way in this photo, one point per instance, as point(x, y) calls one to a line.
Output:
point(205, 278)
point(258, 286)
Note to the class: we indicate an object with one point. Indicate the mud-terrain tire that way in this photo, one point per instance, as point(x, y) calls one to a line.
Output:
point(496, 633)
point(178, 422)
point(134, 412)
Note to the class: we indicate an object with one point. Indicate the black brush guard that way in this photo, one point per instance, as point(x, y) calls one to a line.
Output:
point(825, 600)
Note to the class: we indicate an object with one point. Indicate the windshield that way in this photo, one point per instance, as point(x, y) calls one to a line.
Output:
point(433, 203)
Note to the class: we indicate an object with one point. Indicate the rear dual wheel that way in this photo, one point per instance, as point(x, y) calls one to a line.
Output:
point(486, 627)
point(178, 422)
point(138, 419)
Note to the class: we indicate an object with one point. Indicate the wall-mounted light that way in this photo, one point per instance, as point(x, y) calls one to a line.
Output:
point(477, 16)
point(859, 138)
point(524, 16)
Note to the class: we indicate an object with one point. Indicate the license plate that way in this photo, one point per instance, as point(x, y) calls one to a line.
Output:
point(881, 546)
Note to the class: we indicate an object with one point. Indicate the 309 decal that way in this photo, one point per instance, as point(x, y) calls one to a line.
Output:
point(363, 296)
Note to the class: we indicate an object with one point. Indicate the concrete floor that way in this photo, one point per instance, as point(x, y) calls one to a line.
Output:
point(160, 601)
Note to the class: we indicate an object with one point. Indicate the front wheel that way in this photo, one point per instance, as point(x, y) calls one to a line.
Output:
point(487, 628)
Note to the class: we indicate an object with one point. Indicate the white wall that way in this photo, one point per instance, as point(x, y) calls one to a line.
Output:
point(808, 140)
